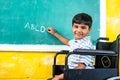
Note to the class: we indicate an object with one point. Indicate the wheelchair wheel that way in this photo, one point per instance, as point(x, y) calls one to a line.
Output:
point(114, 78)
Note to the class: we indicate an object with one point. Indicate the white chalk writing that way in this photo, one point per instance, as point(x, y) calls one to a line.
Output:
point(35, 27)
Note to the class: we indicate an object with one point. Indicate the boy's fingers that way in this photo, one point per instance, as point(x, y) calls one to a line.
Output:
point(48, 29)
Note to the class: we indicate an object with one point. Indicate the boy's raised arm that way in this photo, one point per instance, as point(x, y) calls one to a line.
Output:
point(60, 37)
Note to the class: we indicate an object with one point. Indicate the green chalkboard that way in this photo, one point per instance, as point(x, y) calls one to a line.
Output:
point(25, 21)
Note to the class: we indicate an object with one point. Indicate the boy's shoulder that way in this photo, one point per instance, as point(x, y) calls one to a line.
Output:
point(80, 41)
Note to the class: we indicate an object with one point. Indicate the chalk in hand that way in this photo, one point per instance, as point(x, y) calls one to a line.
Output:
point(48, 29)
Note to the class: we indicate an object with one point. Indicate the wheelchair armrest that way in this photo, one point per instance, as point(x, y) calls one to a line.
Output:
point(63, 52)
point(60, 52)
point(94, 52)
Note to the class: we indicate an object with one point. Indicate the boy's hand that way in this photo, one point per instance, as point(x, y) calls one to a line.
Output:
point(55, 78)
point(59, 77)
point(51, 30)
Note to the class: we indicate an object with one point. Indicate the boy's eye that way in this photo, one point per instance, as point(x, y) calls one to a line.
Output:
point(83, 27)
point(76, 26)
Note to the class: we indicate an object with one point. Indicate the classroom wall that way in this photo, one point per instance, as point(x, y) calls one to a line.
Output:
point(27, 65)
point(17, 65)
point(112, 19)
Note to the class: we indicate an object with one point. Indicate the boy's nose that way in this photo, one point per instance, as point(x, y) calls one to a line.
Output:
point(79, 29)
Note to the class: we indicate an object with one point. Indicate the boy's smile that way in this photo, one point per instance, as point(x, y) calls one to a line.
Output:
point(80, 30)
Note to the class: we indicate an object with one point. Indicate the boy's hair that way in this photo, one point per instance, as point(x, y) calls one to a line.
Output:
point(82, 18)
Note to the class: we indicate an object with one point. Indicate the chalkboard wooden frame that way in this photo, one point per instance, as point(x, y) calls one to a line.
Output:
point(32, 47)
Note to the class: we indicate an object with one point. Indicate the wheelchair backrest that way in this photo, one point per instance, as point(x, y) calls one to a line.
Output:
point(107, 61)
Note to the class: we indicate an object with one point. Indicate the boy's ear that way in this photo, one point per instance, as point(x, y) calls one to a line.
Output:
point(90, 29)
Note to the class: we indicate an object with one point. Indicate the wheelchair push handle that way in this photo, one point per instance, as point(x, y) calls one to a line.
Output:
point(102, 38)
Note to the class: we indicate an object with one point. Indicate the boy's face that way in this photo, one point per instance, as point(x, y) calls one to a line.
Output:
point(80, 30)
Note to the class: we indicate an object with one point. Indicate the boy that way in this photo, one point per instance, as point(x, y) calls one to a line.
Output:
point(81, 26)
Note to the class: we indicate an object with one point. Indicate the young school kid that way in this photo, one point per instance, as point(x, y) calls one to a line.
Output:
point(81, 27)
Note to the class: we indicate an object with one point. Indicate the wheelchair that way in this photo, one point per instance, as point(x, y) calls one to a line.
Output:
point(106, 62)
